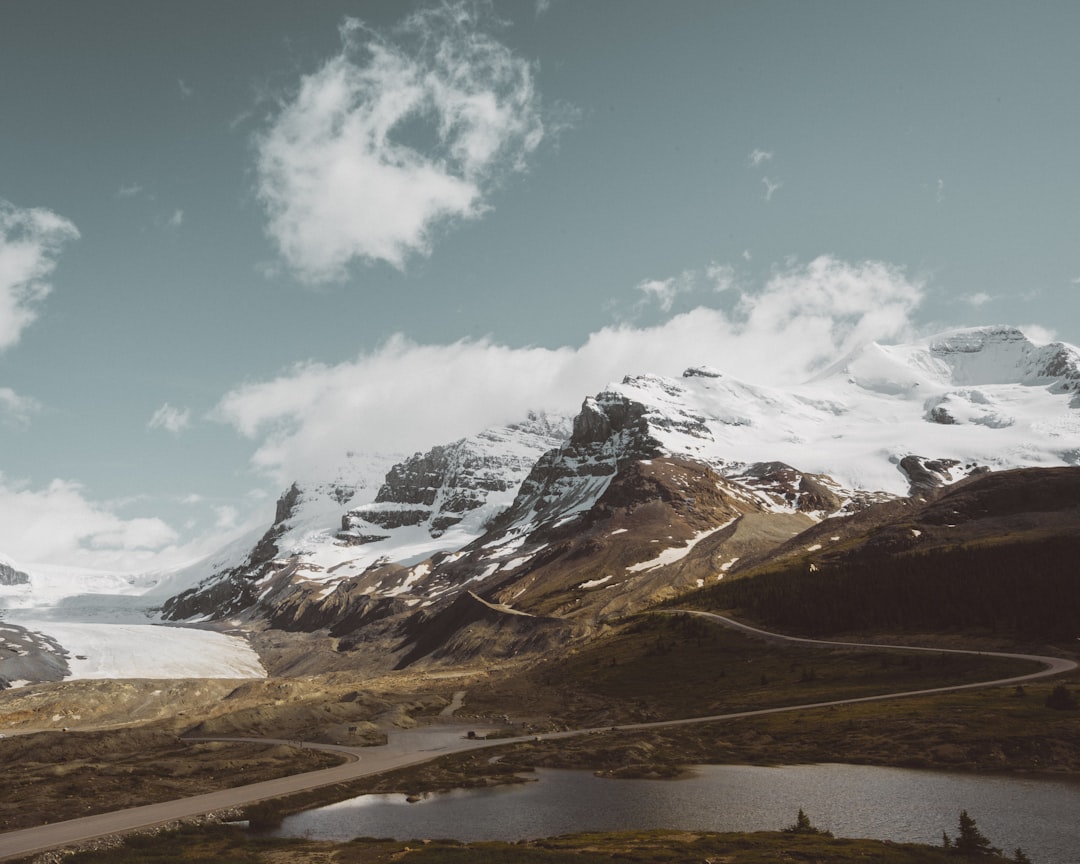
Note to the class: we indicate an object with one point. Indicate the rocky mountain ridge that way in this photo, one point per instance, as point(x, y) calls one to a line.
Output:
point(659, 486)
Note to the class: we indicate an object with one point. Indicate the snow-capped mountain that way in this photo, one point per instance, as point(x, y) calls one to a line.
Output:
point(658, 485)
point(517, 537)
point(383, 533)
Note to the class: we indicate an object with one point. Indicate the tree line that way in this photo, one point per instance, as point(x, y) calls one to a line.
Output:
point(1024, 589)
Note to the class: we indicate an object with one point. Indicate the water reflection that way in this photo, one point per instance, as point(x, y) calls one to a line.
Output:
point(1038, 815)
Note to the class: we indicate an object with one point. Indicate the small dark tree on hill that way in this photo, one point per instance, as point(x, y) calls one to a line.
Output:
point(1061, 699)
point(970, 841)
point(802, 826)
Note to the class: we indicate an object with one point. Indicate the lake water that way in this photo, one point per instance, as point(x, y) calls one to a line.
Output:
point(1041, 816)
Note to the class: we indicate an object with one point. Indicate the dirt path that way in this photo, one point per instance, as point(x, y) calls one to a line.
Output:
point(454, 706)
point(416, 746)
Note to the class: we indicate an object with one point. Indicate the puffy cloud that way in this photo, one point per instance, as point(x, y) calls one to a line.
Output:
point(722, 276)
point(177, 219)
point(30, 241)
point(59, 525)
point(1039, 334)
point(172, 419)
point(404, 396)
point(15, 407)
point(397, 133)
point(978, 299)
point(664, 291)
point(226, 517)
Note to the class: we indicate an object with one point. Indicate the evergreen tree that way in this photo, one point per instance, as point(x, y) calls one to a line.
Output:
point(971, 841)
point(1061, 699)
point(802, 826)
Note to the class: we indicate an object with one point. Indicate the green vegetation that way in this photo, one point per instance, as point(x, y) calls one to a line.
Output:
point(51, 776)
point(220, 844)
point(1026, 589)
point(670, 666)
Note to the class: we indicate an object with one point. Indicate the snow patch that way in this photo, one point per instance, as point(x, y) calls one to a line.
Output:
point(150, 651)
point(675, 553)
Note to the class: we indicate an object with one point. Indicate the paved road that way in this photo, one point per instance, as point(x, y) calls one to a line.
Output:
point(421, 745)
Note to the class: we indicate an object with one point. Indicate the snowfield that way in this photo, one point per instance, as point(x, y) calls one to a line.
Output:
point(150, 651)
point(964, 400)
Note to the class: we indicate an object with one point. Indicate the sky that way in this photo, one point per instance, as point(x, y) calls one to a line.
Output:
point(240, 241)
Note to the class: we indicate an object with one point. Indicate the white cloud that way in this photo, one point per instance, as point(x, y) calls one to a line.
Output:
point(17, 408)
point(192, 498)
point(722, 276)
point(758, 157)
point(1038, 334)
point(1076, 281)
point(940, 196)
point(186, 92)
point(404, 396)
point(980, 298)
point(542, 7)
point(342, 172)
point(226, 517)
point(59, 525)
point(30, 241)
point(664, 291)
point(177, 219)
point(174, 420)
point(771, 187)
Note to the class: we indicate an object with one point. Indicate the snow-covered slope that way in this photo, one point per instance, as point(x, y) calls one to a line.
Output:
point(986, 396)
point(431, 503)
point(963, 401)
point(520, 511)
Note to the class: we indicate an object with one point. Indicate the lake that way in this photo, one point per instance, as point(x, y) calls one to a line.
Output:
point(1037, 814)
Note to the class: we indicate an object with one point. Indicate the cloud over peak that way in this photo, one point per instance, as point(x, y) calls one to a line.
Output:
point(388, 400)
point(399, 132)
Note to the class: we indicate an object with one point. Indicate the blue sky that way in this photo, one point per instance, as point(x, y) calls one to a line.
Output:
point(239, 240)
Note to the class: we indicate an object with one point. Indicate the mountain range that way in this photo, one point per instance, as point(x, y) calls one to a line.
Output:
point(533, 535)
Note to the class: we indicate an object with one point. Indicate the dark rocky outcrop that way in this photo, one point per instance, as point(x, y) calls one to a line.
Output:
point(10, 576)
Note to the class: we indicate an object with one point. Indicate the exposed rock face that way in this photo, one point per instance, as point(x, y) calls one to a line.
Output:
point(456, 487)
point(804, 493)
point(658, 486)
point(927, 474)
point(10, 576)
point(473, 479)
point(234, 590)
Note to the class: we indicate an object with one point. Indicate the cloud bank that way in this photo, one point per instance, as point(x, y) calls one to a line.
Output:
point(399, 132)
point(404, 396)
point(30, 240)
point(58, 524)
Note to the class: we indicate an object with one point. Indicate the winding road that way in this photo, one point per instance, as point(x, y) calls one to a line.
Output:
point(416, 746)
